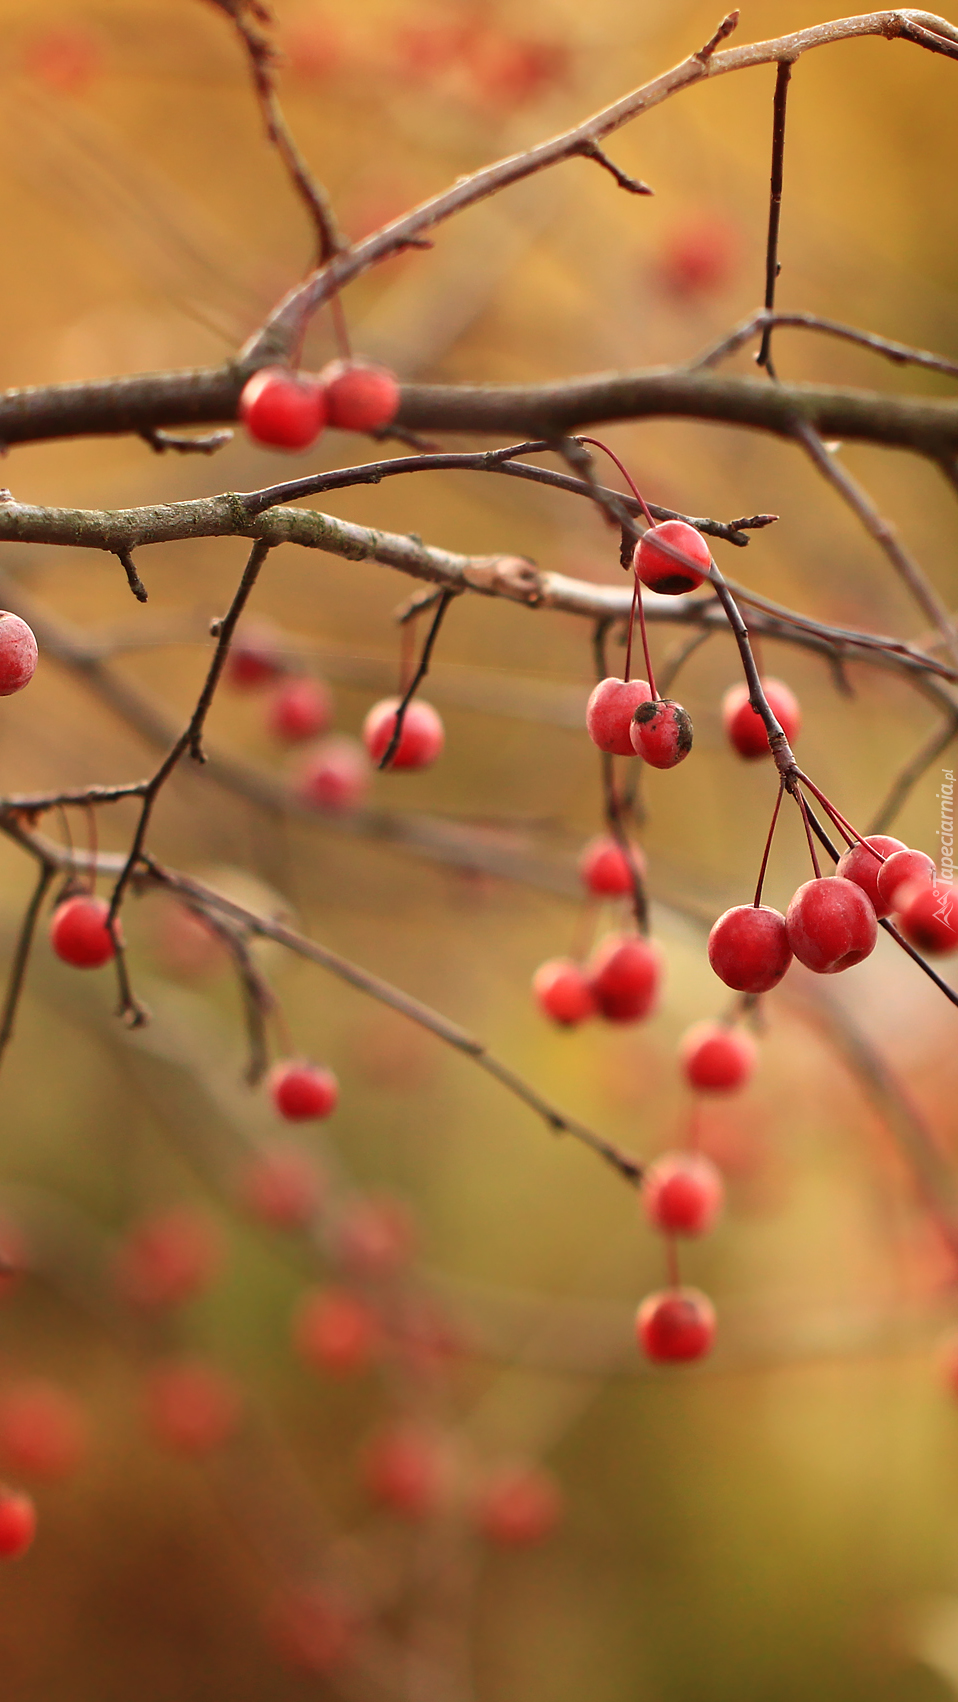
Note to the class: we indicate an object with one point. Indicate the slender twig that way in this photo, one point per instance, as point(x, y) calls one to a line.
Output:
point(858, 500)
point(902, 354)
point(927, 753)
point(21, 956)
point(591, 151)
point(189, 740)
point(772, 264)
point(417, 679)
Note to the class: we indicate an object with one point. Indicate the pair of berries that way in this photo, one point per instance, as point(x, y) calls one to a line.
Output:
point(620, 982)
point(624, 719)
point(683, 1194)
point(335, 776)
point(283, 409)
point(906, 883)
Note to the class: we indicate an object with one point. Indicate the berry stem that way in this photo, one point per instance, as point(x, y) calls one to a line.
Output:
point(672, 1262)
point(800, 801)
point(844, 827)
point(597, 443)
point(645, 639)
point(768, 844)
point(417, 678)
point(628, 643)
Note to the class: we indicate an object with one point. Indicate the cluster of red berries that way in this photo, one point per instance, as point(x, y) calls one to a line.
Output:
point(832, 921)
point(622, 979)
point(625, 717)
point(335, 773)
point(283, 409)
point(683, 1195)
point(488, 65)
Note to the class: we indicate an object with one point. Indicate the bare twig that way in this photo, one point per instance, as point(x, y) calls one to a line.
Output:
point(901, 354)
point(772, 264)
point(858, 500)
point(21, 956)
point(445, 599)
point(927, 753)
point(591, 151)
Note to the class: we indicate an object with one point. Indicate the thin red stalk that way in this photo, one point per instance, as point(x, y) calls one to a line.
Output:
point(597, 443)
point(636, 603)
point(672, 1262)
point(768, 845)
point(844, 827)
point(645, 640)
point(808, 834)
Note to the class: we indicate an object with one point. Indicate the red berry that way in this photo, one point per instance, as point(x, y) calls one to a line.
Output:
point(18, 654)
point(831, 925)
point(518, 1506)
point(191, 1407)
point(749, 949)
point(697, 257)
point(169, 1258)
point(717, 1059)
point(335, 776)
point(66, 60)
point(403, 1470)
point(18, 1523)
point(682, 1193)
point(860, 866)
point(302, 1091)
point(928, 916)
point(604, 867)
point(609, 713)
point(676, 1323)
point(311, 50)
point(625, 972)
point(420, 742)
point(299, 710)
point(79, 934)
point(359, 397)
point(311, 1628)
point(282, 1186)
point(746, 730)
point(375, 1237)
point(661, 732)
point(254, 657)
point(282, 409)
point(42, 1430)
point(903, 868)
point(671, 558)
point(509, 71)
point(562, 991)
point(335, 1331)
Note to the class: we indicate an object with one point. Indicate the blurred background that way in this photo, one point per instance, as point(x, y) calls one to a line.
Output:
point(780, 1521)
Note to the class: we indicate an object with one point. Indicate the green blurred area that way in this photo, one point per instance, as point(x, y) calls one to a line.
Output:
point(780, 1523)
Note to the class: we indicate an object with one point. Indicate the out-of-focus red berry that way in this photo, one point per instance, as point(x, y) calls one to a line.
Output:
point(335, 1331)
point(375, 1236)
point(604, 867)
point(191, 1407)
point(676, 1324)
point(562, 991)
point(311, 1628)
point(299, 709)
point(18, 1523)
point(335, 776)
point(255, 658)
point(697, 257)
point(169, 1258)
point(359, 397)
point(282, 1185)
point(282, 409)
point(65, 60)
point(43, 1431)
point(518, 1506)
point(402, 1470)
